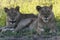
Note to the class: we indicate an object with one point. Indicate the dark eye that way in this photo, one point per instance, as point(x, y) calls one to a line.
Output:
point(48, 11)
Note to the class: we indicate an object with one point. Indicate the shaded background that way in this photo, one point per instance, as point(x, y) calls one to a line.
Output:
point(28, 7)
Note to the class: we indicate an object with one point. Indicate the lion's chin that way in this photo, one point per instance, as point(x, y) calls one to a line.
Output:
point(45, 21)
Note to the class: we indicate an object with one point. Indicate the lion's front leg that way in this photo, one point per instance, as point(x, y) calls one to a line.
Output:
point(53, 28)
point(40, 29)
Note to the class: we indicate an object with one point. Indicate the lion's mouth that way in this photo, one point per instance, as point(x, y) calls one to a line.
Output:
point(45, 20)
point(12, 22)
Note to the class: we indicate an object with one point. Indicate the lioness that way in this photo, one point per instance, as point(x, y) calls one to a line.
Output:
point(14, 16)
point(45, 19)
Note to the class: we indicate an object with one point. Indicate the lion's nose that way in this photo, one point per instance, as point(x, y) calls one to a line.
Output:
point(46, 16)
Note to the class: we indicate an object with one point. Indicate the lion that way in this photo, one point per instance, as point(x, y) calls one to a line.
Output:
point(14, 16)
point(45, 19)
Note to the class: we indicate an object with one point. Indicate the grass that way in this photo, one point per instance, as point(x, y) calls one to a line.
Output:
point(2, 18)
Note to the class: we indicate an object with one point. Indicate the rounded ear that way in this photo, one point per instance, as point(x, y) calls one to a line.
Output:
point(38, 8)
point(51, 6)
point(6, 9)
point(17, 8)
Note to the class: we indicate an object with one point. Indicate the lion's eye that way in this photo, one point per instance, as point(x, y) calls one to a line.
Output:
point(48, 10)
point(42, 11)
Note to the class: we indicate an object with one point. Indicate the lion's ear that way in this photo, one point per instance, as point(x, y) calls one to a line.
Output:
point(51, 6)
point(17, 8)
point(6, 9)
point(38, 8)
